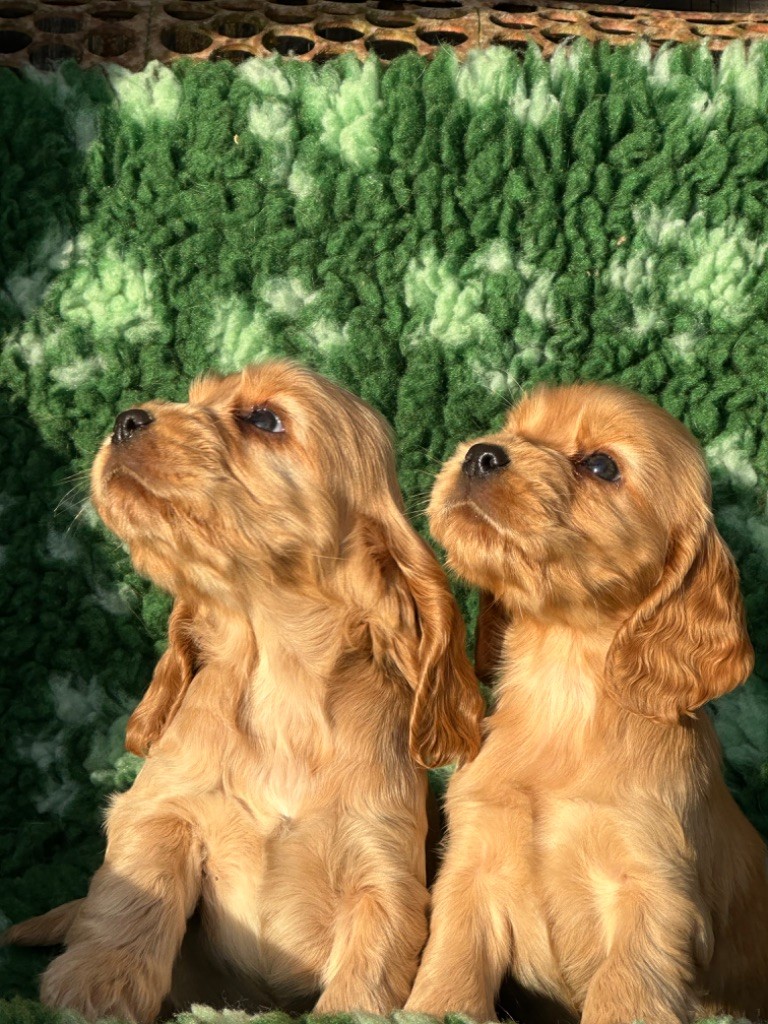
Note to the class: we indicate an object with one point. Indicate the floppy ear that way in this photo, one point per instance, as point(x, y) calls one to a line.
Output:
point(170, 681)
point(492, 623)
point(687, 642)
point(415, 622)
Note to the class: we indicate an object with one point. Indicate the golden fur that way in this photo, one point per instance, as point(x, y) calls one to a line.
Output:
point(594, 849)
point(316, 661)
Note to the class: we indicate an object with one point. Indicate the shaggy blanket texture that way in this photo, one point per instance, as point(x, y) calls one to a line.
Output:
point(434, 236)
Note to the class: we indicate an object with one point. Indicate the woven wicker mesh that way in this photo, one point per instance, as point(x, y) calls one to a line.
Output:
point(133, 32)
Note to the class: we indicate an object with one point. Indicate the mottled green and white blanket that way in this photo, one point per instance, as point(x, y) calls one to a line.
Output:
point(435, 237)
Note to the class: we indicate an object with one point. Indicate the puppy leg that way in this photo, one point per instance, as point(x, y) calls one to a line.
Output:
point(649, 971)
point(468, 949)
point(482, 896)
point(380, 931)
point(122, 946)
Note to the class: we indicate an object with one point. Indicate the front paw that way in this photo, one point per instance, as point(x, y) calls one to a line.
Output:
point(98, 982)
point(439, 1002)
point(341, 997)
point(618, 995)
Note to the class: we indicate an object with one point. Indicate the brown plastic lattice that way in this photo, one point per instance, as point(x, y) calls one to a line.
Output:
point(43, 34)
point(132, 32)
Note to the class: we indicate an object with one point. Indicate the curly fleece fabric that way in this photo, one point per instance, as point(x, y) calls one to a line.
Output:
point(436, 237)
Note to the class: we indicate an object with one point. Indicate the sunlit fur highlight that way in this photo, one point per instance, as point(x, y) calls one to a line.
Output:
point(594, 849)
point(315, 664)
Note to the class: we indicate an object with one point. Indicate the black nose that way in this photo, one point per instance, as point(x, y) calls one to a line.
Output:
point(483, 459)
point(128, 422)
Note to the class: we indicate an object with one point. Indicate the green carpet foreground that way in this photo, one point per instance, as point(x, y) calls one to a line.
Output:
point(435, 236)
point(23, 1011)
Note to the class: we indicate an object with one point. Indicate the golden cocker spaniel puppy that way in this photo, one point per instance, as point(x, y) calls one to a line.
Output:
point(316, 665)
point(594, 850)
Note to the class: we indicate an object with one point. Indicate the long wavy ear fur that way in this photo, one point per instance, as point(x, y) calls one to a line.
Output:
point(45, 930)
point(687, 642)
point(170, 681)
point(416, 624)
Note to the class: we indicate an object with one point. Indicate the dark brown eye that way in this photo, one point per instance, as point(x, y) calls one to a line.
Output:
point(602, 466)
point(264, 419)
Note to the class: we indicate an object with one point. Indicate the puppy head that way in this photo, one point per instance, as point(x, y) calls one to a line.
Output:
point(263, 483)
point(251, 480)
point(591, 507)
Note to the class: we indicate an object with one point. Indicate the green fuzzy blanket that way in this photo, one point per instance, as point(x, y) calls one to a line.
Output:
point(433, 236)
